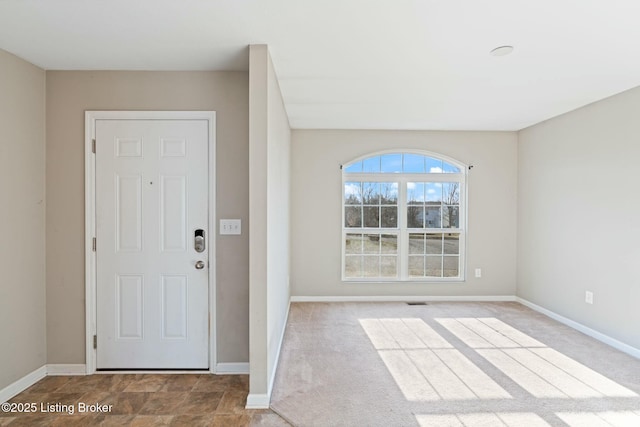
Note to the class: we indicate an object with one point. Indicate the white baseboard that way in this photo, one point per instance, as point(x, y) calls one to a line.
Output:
point(67, 369)
point(395, 298)
point(22, 384)
point(154, 372)
point(232, 368)
point(258, 401)
point(619, 345)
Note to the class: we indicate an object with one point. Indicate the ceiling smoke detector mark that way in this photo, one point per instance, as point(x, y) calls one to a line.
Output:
point(502, 50)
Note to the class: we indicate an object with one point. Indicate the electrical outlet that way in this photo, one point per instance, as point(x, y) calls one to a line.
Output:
point(588, 297)
point(478, 272)
point(230, 226)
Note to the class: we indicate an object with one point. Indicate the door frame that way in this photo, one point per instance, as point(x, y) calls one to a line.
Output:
point(90, 220)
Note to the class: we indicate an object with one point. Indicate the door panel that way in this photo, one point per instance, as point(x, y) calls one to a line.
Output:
point(128, 201)
point(173, 215)
point(129, 307)
point(151, 197)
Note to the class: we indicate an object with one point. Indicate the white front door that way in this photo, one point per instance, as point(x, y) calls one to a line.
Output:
point(151, 215)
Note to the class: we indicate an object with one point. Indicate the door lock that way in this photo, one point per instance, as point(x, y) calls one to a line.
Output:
point(199, 265)
point(198, 240)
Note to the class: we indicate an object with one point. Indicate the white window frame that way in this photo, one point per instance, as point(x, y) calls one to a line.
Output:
point(402, 231)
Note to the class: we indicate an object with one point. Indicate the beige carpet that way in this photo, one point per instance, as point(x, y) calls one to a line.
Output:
point(448, 364)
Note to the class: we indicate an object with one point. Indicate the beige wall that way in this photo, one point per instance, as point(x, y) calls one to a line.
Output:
point(69, 94)
point(578, 215)
point(270, 142)
point(22, 218)
point(258, 148)
point(278, 211)
point(316, 209)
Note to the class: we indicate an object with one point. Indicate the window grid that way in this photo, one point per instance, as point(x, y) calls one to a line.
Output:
point(375, 251)
point(444, 265)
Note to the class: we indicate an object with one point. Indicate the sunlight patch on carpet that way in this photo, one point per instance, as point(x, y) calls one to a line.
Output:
point(540, 370)
point(424, 365)
point(517, 419)
point(605, 419)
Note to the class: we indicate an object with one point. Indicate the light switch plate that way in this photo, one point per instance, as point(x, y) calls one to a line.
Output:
point(230, 226)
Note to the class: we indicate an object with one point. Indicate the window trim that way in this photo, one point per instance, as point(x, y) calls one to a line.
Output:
point(402, 231)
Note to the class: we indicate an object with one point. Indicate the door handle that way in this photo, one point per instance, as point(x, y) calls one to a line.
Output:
point(198, 240)
point(199, 265)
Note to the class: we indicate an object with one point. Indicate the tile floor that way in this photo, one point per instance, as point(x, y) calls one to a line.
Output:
point(141, 400)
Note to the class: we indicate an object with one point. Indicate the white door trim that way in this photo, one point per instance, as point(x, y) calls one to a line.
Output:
point(90, 217)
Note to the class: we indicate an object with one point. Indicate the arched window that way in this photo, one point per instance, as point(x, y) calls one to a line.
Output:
point(403, 218)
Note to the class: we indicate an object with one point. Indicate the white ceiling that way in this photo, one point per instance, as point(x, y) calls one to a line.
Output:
point(358, 64)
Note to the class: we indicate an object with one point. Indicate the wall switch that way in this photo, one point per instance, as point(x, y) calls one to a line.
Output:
point(588, 297)
point(230, 226)
point(478, 272)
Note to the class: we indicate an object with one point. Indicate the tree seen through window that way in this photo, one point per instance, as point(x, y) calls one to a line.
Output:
point(403, 217)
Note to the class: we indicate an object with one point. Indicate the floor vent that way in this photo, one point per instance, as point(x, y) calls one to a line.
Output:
point(417, 303)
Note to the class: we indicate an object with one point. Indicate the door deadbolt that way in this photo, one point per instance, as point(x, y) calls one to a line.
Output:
point(199, 265)
point(198, 240)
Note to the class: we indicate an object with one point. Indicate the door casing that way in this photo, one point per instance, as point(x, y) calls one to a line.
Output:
point(90, 219)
